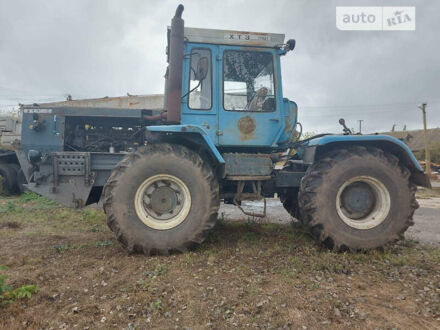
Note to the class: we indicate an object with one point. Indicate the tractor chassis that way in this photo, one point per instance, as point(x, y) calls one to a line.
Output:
point(76, 179)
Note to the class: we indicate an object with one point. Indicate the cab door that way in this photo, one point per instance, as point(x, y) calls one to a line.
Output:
point(198, 101)
point(249, 109)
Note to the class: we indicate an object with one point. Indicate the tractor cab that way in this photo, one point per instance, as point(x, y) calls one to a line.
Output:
point(232, 88)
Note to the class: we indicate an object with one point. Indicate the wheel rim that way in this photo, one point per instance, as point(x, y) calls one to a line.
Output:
point(162, 201)
point(363, 202)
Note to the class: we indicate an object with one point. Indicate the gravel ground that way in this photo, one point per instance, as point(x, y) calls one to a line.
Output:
point(426, 229)
point(435, 184)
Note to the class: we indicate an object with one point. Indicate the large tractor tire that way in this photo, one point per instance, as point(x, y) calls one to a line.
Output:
point(289, 200)
point(161, 198)
point(21, 181)
point(357, 198)
point(8, 172)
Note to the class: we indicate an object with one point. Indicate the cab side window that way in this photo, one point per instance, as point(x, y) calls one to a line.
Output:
point(248, 82)
point(200, 90)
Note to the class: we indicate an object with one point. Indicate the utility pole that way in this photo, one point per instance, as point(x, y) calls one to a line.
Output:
point(360, 125)
point(427, 154)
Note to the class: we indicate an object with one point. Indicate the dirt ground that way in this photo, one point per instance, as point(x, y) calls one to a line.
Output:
point(246, 275)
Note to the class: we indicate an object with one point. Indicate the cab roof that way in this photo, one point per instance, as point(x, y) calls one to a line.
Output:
point(232, 37)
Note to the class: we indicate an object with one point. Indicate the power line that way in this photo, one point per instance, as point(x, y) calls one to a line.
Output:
point(348, 113)
point(351, 112)
point(363, 105)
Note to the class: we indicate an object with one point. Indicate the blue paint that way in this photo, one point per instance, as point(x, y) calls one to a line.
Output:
point(365, 138)
point(290, 114)
point(272, 129)
point(208, 119)
point(47, 139)
point(184, 129)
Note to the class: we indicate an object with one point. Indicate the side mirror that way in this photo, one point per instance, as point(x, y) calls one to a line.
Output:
point(290, 45)
point(202, 68)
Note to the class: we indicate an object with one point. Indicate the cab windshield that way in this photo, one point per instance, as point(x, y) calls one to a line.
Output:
point(248, 82)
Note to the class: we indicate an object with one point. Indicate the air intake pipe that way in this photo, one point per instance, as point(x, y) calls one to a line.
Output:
point(175, 63)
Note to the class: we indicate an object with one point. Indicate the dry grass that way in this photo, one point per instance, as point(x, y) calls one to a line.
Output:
point(244, 275)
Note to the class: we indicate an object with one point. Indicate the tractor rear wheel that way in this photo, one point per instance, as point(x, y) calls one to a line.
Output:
point(357, 198)
point(161, 198)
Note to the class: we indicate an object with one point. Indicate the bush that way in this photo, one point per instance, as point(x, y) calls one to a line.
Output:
point(435, 155)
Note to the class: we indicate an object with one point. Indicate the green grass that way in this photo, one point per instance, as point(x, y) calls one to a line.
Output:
point(8, 295)
point(66, 247)
point(39, 215)
point(104, 243)
point(158, 271)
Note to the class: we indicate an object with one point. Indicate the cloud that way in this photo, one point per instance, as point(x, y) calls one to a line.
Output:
point(49, 49)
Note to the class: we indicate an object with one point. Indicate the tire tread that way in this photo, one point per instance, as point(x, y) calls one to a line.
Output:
point(314, 177)
point(130, 160)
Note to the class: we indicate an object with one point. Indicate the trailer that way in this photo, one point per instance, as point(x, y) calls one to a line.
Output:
point(13, 178)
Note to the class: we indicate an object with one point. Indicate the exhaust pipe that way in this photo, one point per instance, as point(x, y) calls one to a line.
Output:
point(175, 63)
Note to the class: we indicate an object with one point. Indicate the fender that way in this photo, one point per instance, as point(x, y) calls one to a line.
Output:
point(314, 147)
point(193, 133)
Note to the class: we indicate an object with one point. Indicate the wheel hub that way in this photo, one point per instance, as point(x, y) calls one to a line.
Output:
point(358, 200)
point(363, 202)
point(162, 201)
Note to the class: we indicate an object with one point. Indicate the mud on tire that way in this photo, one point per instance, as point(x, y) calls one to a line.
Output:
point(392, 198)
point(155, 161)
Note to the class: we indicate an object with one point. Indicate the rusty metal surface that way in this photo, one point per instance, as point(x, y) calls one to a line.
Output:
point(49, 111)
point(288, 179)
point(10, 130)
point(162, 115)
point(142, 102)
point(290, 116)
point(240, 164)
point(71, 163)
point(240, 195)
point(246, 126)
point(248, 177)
point(288, 123)
point(175, 67)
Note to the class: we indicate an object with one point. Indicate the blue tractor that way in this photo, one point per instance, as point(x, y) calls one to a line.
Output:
point(226, 132)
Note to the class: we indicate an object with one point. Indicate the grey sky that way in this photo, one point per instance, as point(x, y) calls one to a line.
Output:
point(49, 49)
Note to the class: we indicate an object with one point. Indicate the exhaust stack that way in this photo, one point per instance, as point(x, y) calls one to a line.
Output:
point(175, 63)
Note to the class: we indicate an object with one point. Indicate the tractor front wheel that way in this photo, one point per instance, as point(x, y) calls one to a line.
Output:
point(8, 172)
point(357, 198)
point(161, 198)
